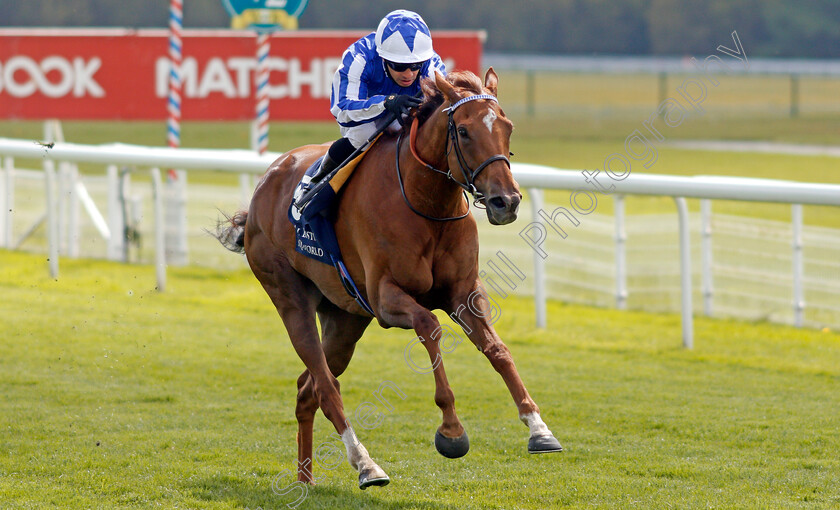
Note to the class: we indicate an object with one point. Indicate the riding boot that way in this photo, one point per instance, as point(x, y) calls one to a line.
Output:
point(327, 166)
point(340, 150)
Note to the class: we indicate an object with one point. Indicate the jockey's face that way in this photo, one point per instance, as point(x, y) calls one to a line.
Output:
point(404, 77)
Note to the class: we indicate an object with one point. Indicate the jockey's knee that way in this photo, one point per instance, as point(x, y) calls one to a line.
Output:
point(341, 149)
point(358, 135)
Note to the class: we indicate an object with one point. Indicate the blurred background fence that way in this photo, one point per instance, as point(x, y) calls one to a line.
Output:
point(537, 86)
point(751, 263)
point(752, 257)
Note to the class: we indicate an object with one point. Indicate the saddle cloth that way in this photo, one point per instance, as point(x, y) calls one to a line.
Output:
point(314, 231)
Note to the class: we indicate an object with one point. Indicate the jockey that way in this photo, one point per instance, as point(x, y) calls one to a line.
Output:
point(379, 74)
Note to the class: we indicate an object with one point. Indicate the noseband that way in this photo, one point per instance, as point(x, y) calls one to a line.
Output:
point(469, 174)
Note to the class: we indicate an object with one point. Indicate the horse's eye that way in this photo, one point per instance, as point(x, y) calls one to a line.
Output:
point(462, 131)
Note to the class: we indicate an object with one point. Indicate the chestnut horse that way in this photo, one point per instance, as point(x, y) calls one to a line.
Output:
point(403, 261)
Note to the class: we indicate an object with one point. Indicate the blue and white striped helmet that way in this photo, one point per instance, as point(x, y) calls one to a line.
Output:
point(402, 36)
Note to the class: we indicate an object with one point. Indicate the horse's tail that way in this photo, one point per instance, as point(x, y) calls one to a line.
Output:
point(231, 231)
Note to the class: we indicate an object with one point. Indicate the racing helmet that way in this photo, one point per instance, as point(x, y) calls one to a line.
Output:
point(403, 37)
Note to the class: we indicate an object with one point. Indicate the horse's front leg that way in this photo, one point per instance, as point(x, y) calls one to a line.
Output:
point(396, 308)
point(474, 314)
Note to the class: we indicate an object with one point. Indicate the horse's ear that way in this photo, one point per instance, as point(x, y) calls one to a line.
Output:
point(445, 87)
point(491, 80)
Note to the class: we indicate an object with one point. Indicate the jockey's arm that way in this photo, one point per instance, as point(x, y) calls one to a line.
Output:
point(350, 101)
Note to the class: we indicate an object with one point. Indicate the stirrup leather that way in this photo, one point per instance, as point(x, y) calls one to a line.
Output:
point(309, 188)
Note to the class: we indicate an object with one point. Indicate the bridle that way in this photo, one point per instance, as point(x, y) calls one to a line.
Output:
point(469, 174)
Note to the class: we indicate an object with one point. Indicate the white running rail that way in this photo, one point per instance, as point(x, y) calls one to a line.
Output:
point(533, 177)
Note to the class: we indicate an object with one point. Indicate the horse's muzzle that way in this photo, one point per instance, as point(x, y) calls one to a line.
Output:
point(502, 209)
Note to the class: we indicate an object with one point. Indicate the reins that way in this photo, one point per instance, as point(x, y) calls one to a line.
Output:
point(469, 174)
point(402, 186)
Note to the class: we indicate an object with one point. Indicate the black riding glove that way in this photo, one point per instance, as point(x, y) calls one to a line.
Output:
point(399, 105)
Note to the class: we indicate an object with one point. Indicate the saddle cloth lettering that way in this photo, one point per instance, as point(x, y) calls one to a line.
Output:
point(314, 231)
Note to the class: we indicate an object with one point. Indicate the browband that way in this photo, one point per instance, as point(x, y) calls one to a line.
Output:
point(452, 108)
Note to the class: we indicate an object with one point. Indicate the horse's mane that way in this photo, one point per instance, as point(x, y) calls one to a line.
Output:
point(464, 80)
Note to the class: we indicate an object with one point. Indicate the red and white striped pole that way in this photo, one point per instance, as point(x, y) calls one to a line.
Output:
point(173, 127)
point(261, 126)
point(175, 241)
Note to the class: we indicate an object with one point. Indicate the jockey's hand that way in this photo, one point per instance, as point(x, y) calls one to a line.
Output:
point(399, 105)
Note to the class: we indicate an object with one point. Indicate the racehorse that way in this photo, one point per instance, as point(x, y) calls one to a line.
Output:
point(410, 242)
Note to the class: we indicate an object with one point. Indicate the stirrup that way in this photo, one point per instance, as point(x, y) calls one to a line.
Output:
point(303, 200)
point(320, 174)
point(308, 191)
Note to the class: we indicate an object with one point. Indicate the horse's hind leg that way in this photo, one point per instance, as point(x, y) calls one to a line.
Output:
point(340, 332)
point(324, 387)
point(296, 299)
point(305, 410)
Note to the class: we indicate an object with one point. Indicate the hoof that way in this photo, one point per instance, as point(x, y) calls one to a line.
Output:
point(452, 448)
point(374, 476)
point(544, 444)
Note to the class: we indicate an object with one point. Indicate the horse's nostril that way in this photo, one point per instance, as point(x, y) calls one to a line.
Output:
point(497, 203)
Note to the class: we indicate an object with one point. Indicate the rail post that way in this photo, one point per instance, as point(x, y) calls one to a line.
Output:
point(52, 217)
point(706, 255)
point(160, 236)
point(798, 266)
point(530, 92)
point(685, 273)
point(620, 255)
point(536, 195)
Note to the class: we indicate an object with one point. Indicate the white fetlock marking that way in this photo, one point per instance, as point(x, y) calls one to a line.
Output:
point(357, 454)
point(535, 423)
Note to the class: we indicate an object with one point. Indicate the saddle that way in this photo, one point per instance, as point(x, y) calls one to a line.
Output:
point(314, 230)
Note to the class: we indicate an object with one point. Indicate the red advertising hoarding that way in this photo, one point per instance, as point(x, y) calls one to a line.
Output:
point(123, 74)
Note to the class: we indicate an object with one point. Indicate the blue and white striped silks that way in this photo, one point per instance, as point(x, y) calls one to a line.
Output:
point(361, 83)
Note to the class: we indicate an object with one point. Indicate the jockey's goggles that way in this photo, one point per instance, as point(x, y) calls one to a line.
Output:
point(400, 67)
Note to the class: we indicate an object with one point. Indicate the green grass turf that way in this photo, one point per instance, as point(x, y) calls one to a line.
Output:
point(117, 396)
